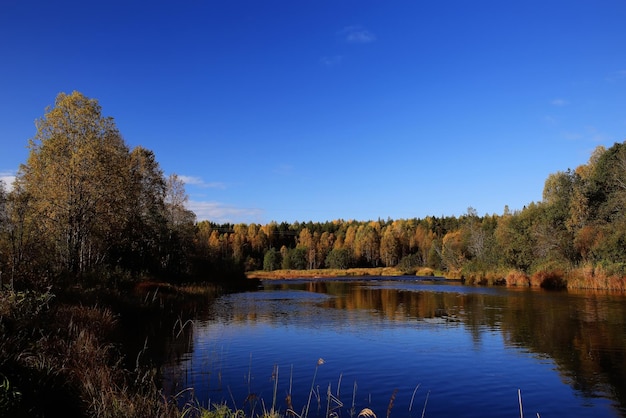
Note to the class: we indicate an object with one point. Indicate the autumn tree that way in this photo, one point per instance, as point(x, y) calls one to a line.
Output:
point(307, 243)
point(423, 239)
point(4, 228)
point(389, 247)
point(605, 190)
point(515, 239)
point(552, 228)
point(324, 245)
point(367, 243)
point(453, 250)
point(349, 239)
point(238, 241)
point(146, 218)
point(75, 179)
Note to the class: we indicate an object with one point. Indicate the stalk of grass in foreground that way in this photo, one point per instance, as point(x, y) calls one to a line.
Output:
point(333, 403)
point(320, 361)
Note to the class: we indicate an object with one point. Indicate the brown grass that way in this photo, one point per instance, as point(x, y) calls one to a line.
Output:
point(425, 271)
point(517, 278)
point(485, 278)
point(549, 279)
point(323, 273)
point(595, 278)
point(66, 364)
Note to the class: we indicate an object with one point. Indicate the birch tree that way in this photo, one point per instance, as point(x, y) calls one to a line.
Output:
point(75, 177)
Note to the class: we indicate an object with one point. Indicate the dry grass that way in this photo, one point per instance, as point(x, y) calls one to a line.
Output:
point(425, 272)
point(485, 278)
point(549, 279)
point(65, 364)
point(587, 277)
point(323, 273)
point(595, 278)
point(517, 278)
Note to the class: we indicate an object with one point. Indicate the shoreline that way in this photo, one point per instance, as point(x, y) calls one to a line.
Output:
point(330, 273)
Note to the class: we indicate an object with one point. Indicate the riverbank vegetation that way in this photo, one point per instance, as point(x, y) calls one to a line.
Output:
point(574, 238)
point(93, 231)
point(92, 236)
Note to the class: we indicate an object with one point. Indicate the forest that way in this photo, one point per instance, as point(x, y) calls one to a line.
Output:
point(85, 207)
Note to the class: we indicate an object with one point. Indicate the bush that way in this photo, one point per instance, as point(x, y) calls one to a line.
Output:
point(425, 271)
point(295, 259)
point(517, 278)
point(272, 260)
point(553, 279)
point(338, 259)
point(409, 264)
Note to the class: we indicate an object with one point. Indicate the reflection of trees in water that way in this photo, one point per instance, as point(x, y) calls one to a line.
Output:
point(584, 333)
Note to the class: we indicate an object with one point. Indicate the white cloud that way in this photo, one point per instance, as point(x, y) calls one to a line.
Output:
point(617, 75)
point(220, 213)
point(331, 61)
point(559, 102)
point(7, 179)
point(596, 136)
point(590, 134)
point(197, 181)
point(551, 120)
point(357, 35)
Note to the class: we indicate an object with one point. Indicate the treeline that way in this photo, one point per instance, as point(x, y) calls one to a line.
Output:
point(84, 206)
point(575, 236)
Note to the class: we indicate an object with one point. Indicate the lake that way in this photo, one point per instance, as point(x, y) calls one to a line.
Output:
point(404, 347)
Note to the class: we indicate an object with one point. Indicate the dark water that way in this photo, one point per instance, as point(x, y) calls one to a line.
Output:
point(438, 348)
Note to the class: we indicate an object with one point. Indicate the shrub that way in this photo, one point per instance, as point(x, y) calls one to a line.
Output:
point(272, 260)
point(425, 271)
point(517, 278)
point(338, 259)
point(409, 264)
point(552, 279)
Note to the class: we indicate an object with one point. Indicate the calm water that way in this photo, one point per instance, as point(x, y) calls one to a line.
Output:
point(467, 350)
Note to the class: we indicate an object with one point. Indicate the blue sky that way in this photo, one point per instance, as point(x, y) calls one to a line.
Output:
point(321, 110)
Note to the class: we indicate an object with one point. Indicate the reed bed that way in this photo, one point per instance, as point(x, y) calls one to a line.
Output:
point(323, 273)
point(334, 406)
point(596, 278)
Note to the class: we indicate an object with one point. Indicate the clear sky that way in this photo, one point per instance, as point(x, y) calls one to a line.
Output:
point(298, 110)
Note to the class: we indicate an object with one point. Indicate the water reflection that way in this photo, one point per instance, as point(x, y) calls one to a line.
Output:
point(544, 342)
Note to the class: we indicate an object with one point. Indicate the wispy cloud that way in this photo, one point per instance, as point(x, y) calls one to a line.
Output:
point(331, 61)
point(550, 120)
point(616, 76)
point(357, 35)
point(220, 213)
point(197, 181)
point(590, 134)
point(596, 136)
point(559, 102)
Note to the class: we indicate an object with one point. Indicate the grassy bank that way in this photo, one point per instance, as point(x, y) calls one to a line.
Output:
point(329, 273)
point(580, 278)
point(587, 278)
point(62, 354)
point(322, 273)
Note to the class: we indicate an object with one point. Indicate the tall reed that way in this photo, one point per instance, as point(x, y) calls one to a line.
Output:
point(320, 361)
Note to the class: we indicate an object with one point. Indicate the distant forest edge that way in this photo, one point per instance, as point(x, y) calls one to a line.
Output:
point(86, 207)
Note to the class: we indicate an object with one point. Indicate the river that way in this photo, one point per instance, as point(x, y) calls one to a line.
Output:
point(404, 347)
